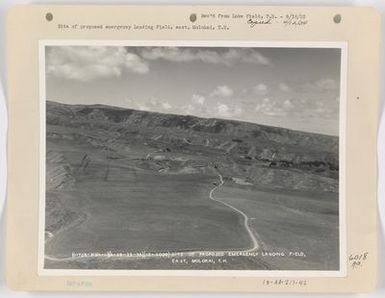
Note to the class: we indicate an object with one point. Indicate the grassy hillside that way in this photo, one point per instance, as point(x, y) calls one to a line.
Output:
point(121, 179)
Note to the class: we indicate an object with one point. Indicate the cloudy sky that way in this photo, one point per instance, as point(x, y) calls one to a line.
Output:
point(296, 88)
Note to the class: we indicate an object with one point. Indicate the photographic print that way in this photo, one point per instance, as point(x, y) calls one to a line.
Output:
point(205, 157)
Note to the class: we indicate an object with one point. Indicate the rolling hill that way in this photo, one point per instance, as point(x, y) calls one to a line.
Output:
point(126, 180)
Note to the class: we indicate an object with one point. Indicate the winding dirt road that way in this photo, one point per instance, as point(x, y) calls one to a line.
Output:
point(246, 219)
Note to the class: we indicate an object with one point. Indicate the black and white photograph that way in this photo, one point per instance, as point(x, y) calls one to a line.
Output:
point(202, 157)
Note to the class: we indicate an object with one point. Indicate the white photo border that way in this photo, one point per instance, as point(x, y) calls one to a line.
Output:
point(342, 272)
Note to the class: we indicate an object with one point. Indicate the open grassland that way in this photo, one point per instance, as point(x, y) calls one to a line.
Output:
point(130, 209)
point(291, 223)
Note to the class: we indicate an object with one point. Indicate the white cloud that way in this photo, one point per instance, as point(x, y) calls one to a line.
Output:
point(256, 57)
point(222, 91)
point(142, 107)
point(167, 53)
point(227, 57)
point(166, 106)
point(321, 85)
point(275, 111)
point(196, 106)
point(154, 101)
point(223, 110)
point(259, 89)
point(246, 55)
point(238, 111)
point(86, 63)
point(189, 109)
point(198, 99)
point(321, 110)
point(271, 107)
point(153, 104)
point(327, 84)
point(284, 87)
point(288, 104)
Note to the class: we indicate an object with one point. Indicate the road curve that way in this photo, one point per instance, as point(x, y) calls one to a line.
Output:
point(246, 219)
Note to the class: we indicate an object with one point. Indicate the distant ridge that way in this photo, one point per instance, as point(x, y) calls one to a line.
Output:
point(121, 112)
point(266, 155)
